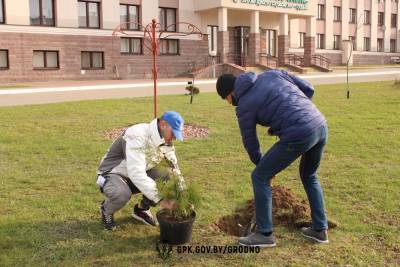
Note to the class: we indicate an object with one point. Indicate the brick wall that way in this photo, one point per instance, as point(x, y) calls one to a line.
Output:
point(219, 70)
point(232, 45)
point(254, 48)
point(283, 48)
point(263, 41)
point(335, 59)
point(21, 46)
point(309, 50)
point(362, 59)
point(224, 39)
point(359, 59)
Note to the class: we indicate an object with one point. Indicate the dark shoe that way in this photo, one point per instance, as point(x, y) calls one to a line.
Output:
point(320, 237)
point(258, 240)
point(108, 220)
point(144, 216)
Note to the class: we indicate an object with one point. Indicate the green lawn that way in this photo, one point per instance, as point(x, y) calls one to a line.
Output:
point(49, 202)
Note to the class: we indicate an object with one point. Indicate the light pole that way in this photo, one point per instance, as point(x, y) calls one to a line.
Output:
point(360, 18)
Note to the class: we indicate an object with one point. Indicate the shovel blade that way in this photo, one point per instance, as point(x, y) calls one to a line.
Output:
point(250, 227)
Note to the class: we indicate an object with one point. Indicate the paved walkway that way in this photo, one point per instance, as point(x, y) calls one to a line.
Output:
point(53, 92)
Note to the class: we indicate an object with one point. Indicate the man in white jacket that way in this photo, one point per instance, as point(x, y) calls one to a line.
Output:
point(129, 167)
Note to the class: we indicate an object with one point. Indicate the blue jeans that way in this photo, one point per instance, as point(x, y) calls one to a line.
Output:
point(280, 156)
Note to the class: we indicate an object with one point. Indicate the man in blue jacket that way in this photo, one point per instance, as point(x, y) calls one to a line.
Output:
point(282, 102)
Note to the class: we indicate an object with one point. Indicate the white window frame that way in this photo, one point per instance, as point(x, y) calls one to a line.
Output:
point(352, 15)
point(337, 13)
point(302, 36)
point(336, 42)
point(367, 44)
point(212, 31)
point(5, 51)
point(321, 12)
point(320, 41)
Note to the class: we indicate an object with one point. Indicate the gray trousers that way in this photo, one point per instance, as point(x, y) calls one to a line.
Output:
point(118, 193)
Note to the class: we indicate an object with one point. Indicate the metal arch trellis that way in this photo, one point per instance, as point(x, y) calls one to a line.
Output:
point(152, 36)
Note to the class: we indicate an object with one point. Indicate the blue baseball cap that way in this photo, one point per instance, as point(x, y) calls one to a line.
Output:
point(176, 122)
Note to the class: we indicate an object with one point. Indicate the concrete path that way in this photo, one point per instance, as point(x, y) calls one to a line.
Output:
point(84, 90)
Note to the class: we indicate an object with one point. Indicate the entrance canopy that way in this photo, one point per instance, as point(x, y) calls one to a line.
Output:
point(248, 30)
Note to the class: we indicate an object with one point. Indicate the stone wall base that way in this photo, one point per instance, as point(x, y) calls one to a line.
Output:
point(20, 48)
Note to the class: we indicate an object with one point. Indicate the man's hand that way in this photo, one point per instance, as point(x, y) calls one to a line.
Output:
point(168, 204)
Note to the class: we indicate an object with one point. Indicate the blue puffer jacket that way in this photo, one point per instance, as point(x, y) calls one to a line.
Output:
point(278, 100)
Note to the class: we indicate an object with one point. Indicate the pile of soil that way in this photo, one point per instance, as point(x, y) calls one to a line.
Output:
point(168, 217)
point(189, 132)
point(287, 209)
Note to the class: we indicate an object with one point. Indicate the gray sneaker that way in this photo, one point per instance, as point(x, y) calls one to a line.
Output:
point(320, 237)
point(258, 240)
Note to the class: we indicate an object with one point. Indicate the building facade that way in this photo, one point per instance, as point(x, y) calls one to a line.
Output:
point(72, 39)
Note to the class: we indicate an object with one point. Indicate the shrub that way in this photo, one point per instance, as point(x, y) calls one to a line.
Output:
point(192, 89)
point(186, 200)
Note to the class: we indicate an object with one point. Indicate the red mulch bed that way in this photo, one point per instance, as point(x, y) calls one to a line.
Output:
point(190, 131)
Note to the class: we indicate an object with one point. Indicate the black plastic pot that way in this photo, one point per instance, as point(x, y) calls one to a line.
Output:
point(175, 232)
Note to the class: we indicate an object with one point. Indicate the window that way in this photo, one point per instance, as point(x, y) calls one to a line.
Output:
point(42, 12)
point(353, 40)
point(380, 45)
point(4, 59)
point(45, 59)
point(302, 38)
point(271, 42)
point(89, 14)
point(2, 16)
point(336, 42)
point(392, 45)
point(321, 41)
point(129, 13)
point(353, 14)
point(337, 16)
point(367, 17)
point(321, 11)
point(169, 47)
point(367, 44)
point(381, 18)
point(212, 32)
point(393, 20)
point(131, 45)
point(92, 60)
point(167, 19)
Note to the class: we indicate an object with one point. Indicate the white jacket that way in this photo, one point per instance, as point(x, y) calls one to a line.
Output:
point(144, 150)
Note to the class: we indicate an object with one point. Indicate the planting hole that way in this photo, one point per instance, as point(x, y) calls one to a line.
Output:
point(287, 210)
